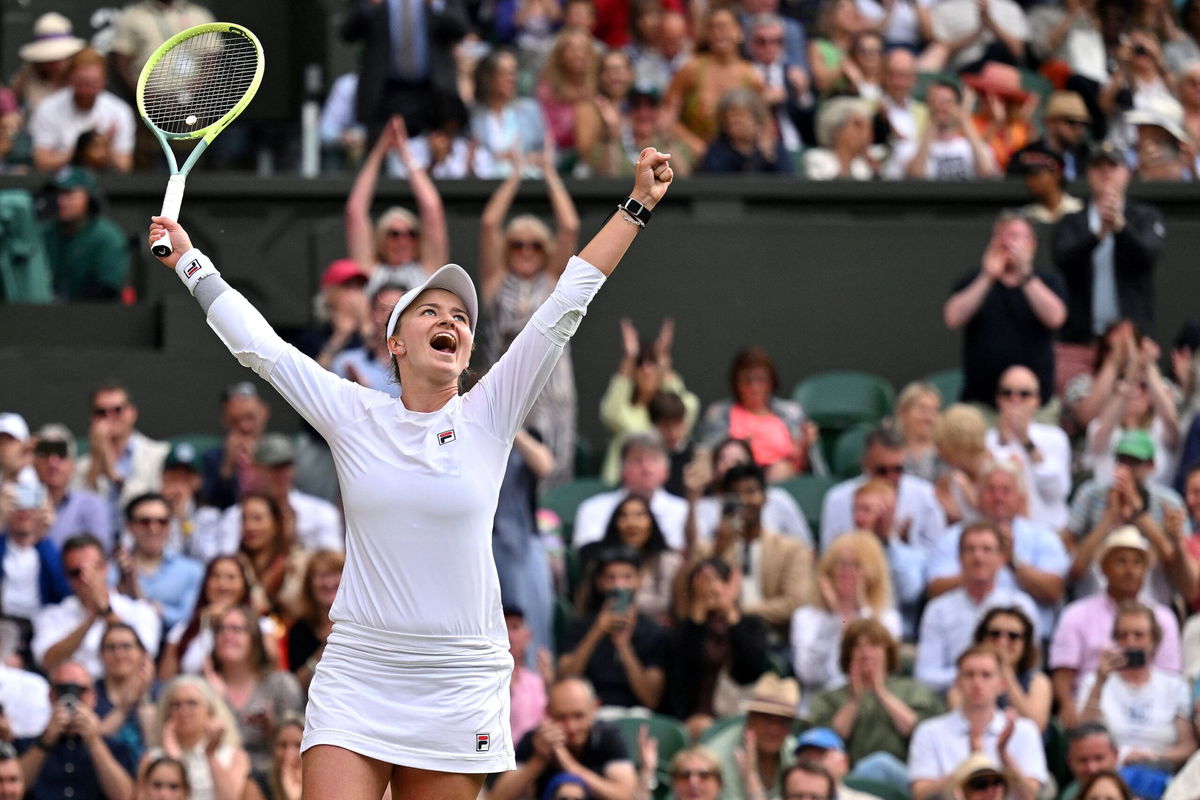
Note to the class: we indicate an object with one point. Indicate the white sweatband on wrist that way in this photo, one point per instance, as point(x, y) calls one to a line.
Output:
point(192, 267)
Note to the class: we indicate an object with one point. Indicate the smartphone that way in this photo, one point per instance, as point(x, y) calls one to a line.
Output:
point(1135, 658)
point(621, 598)
point(29, 496)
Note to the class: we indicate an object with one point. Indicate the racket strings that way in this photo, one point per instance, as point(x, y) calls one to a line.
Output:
point(199, 81)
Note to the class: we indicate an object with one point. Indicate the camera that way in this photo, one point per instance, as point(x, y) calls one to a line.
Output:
point(731, 504)
point(1135, 658)
point(69, 695)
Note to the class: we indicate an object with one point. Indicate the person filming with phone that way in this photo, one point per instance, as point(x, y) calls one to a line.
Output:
point(618, 649)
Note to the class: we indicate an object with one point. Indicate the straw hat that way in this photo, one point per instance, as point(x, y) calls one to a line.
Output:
point(774, 695)
point(1125, 537)
point(1068, 106)
point(52, 40)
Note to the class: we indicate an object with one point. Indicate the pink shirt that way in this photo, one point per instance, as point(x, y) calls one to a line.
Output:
point(1085, 631)
point(769, 437)
point(528, 701)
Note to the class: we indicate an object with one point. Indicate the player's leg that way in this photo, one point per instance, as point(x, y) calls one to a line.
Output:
point(410, 783)
point(335, 773)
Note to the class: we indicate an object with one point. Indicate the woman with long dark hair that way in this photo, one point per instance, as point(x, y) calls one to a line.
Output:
point(633, 524)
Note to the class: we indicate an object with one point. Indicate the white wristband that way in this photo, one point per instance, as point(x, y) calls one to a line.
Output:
point(192, 267)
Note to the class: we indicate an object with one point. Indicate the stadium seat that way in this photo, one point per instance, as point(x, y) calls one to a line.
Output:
point(565, 499)
point(562, 623)
point(880, 789)
point(808, 491)
point(670, 733)
point(202, 442)
point(587, 460)
point(848, 450)
point(719, 725)
point(838, 399)
point(949, 382)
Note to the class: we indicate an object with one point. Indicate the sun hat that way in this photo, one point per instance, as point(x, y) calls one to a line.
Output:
point(774, 695)
point(999, 79)
point(1162, 111)
point(1068, 106)
point(977, 765)
point(1125, 537)
point(52, 40)
point(453, 279)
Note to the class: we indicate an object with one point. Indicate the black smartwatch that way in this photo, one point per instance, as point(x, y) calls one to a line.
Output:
point(636, 210)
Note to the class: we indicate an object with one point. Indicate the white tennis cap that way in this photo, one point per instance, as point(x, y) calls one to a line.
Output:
point(452, 278)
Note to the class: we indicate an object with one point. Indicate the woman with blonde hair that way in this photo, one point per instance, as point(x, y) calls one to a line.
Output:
point(194, 726)
point(696, 774)
point(917, 408)
point(568, 79)
point(960, 439)
point(852, 583)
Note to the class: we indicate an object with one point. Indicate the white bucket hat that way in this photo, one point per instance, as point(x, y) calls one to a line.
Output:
point(52, 40)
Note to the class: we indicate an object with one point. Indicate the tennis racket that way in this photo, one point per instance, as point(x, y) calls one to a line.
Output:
point(192, 87)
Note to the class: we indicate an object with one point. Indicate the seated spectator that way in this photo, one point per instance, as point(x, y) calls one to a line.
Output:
point(864, 69)
point(1085, 626)
point(31, 572)
point(668, 418)
point(1142, 76)
point(617, 648)
point(787, 89)
point(644, 371)
point(1106, 785)
point(1008, 312)
point(781, 513)
point(507, 127)
point(757, 752)
point(981, 778)
point(93, 151)
point(310, 522)
point(572, 740)
point(1065, 121)
point(851, 583)
point(949, 619)
point(12, 778)
point(1148, 710)
point(1035, 561)
point(445, 149)
point(195, 528)
point(520, 262)
point(76, 510)
point(904, 27)
point(47, 60)
point(1131, 497)
point(229, 468)
point(917, 511)
point(717, 652)
point(227, 583)
point(829, 56)
point(843, 142)
point(693, 96)
point(310, 630)
point(125, 694)
point(877, 709)
point(71, 630)
point(642, 126)
point(775, 568)
point(1027, 690)
point(72, 757)
point(696, 774)
point(370, 363)
point(568, 80)
point(87, 251)
point(958, 437)
point(746, 139)
point(904, 115)
point(917, 408)
point(875, 513)
point(822, 747)
point(782, 438)
point(285, 779)
point(528, 701)
point(15, 451)
point(25, 696)
point(83, 104)
point(168, 581)
point(244, 674)
point(1042, 171)
point(1040, 452)
point(601, 118)
point(1187, 82)
point(1090, 749)
point(195, 727)
point(1003, 118)
point(947, 148)
point(276, 565)
point(940, 744)
point(633, 525)
point(15, 145)
point(643, 473)
point(811, 779)
point(341, 311)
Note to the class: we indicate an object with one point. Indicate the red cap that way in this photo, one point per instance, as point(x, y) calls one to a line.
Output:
point(342, 271)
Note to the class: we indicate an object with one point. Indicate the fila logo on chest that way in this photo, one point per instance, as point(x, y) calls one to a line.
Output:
point(446, 437)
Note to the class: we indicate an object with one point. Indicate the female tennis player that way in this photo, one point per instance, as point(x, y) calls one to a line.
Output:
point(413, 687)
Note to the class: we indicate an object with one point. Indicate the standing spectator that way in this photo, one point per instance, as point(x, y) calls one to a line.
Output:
point(1065, 120)
point(1090, 749)
point(917, 408)
point(229, 468)
point(786, 87)
point(1042, 171)
point(1008, 311)
point(170, 582)
point(843, 142)
point(307, 635)
point(407, 58)
point(509, 128)
point(1107, 254)
point(47, 60)
point(568, 80)
point(87, 251)
point(143, 26)
point(947, 148)
point(76, 510)
point(84, 104)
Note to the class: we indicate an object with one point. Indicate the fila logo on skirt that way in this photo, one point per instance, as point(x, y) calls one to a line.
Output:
point(483, 741)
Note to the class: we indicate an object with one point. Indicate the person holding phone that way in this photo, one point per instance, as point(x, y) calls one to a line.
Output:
point(1147, 709)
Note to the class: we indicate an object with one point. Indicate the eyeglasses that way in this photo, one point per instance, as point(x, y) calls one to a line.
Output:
point(164, 521)
point(398, 233)
point(1024, 394)
point(884, 470)
point(118, 647)
point(700, 774)
point(108, 411)
point(764, 40)
point(231, 629)
point(996, 634)
point(984, 782)
point(517, 244)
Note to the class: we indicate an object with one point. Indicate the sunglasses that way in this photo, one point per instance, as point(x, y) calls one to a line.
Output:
point(397, 233)
point(888, 469)
point(767, 39)
point(984, 782)
point(517, 244)
point(688, 774)
point(151, 520)
point(47, 449)
point(1012, 636)
point(110, 411)
point(1024, 394)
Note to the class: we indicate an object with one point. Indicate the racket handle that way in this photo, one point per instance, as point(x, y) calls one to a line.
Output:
point(172, 200)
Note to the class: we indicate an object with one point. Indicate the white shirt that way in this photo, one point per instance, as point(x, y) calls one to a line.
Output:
point(318, 524)
point(940, 744)
point(1165, 459)
point(591, 519)
point(1046, 484)
point(54, 622)
point(947, 160)
point(57, 123)
point(25, 697)
point(1141, 717)
point(915, 501)
point(191, 660)
point(20, 593)
point(419, 488)
point(948, 626)
point(817, 645)
point(780, 514)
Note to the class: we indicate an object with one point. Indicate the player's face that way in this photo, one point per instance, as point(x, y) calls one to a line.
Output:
point(433, 340)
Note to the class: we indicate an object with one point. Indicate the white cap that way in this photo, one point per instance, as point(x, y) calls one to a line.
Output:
point(453, 279)
point(14, 425)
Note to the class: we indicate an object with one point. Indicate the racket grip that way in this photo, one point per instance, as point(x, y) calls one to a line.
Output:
point(172, 201)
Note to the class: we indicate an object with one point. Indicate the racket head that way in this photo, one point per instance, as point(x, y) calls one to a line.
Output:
point(208, 73)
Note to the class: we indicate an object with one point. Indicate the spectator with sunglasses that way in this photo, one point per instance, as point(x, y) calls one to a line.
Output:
point(31, 574)
point(76, 510)
point(696, 774)
point(168, 581)
point(1008, 312)
point(1027, 690)
point(981, 778)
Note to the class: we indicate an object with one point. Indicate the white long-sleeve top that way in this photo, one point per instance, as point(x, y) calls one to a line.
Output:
point(419, 488)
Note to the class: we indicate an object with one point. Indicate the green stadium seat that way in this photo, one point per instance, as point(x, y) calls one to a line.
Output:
point(562, 623)
point(880, 789)
point(587, 460)
point(848, 450)
point(564, 500)
point(721, 724)
point(202, 442)
point(838, 399)
point(670, 733)
point(949, 382)
point(808, 491)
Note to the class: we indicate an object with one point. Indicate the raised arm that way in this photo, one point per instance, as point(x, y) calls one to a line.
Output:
point(566, 218)
point(360, 238)
point(435, 239)
point(491, 235)
point(652, 177)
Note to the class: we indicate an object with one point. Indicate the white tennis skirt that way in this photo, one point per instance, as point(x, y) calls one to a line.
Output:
point(413, 701)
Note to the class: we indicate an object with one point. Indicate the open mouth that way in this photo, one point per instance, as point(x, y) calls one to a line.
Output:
point(444, 342)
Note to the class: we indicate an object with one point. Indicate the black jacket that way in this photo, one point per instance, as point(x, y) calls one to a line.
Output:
point(1137, 249)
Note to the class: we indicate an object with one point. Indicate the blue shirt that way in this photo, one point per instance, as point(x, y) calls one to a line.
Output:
point(359, 366)
point(174, 586)
point(81, 511)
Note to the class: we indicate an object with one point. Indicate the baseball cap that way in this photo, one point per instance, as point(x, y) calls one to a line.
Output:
point(821, 738)
point(274, 450)
point(14, 425)
point(1107, 152)
point(183, 454)
point(1037, 157)
point(74, 178)
point(453, 279)
point(1135, 444)
point(341, 272)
